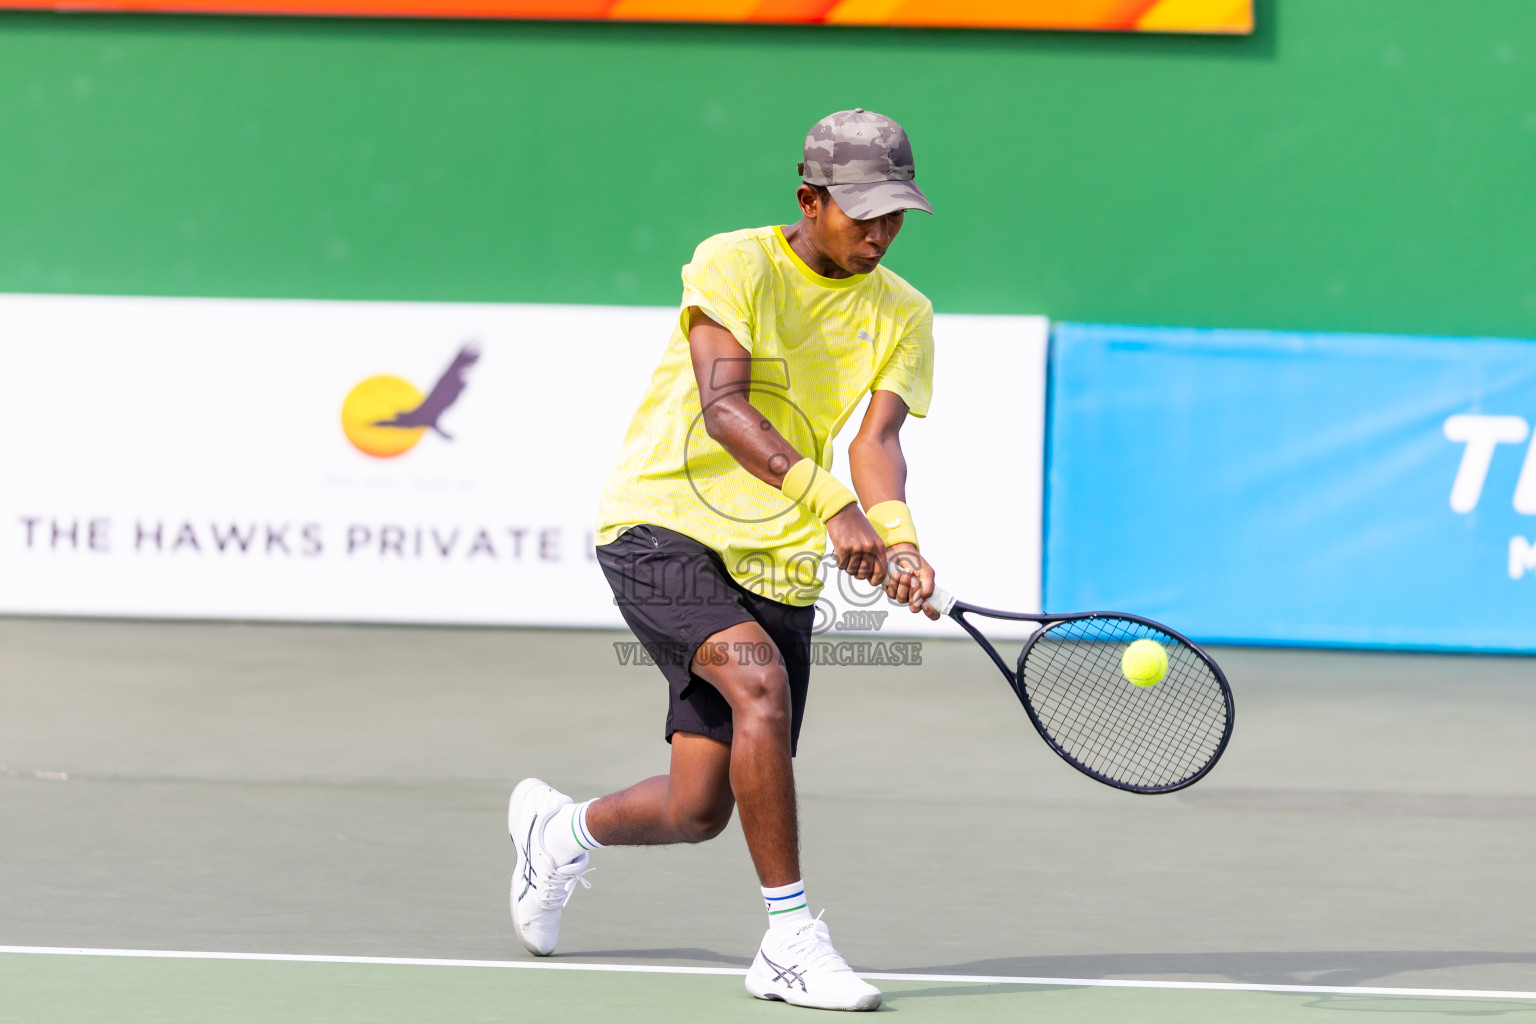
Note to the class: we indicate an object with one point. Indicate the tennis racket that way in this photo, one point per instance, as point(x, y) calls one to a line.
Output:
point(1069, 677)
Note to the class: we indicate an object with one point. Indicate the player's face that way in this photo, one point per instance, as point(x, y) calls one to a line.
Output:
point(856, 246)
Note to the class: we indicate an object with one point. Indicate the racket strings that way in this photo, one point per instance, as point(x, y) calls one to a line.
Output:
point(1106, 739)
point(1110, 736)
point(1139, 737)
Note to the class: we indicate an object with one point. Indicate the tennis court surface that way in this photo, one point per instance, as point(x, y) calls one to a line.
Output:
point(331, 801)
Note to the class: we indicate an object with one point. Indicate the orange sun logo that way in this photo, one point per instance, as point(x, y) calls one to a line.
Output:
point(371, 404)
point(385, 416)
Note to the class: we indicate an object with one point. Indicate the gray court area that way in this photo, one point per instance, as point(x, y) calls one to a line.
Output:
point(342, 790)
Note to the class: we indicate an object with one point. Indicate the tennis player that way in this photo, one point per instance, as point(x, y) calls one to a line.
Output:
point(712, 528)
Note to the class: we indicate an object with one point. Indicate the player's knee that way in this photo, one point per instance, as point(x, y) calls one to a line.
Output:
point(763, 695)
point(704, 824)
point(701, 821)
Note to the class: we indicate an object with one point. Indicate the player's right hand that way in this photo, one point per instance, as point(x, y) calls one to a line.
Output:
point(911, 579)
point(857, 546)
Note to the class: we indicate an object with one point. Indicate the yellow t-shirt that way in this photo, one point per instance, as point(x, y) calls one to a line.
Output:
point(817, 346)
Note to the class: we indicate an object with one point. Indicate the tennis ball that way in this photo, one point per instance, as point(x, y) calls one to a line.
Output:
point(1144, 662)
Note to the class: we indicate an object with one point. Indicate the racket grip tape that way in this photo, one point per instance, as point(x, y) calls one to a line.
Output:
point(941, 600)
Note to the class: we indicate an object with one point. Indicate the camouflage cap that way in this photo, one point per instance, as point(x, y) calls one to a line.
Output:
point(865, 161)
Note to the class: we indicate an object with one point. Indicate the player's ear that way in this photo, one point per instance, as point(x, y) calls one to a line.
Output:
point(810, 201)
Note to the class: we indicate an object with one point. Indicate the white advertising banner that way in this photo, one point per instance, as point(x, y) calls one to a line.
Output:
point(415, 462)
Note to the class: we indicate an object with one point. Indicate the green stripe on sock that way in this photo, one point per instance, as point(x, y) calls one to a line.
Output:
point(786, 910)
point(577, 835)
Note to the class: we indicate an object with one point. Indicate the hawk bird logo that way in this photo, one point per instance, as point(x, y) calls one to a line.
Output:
point(444, 393)
point(386, 416)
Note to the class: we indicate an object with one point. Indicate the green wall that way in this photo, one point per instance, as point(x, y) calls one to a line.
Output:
point(1357, 164)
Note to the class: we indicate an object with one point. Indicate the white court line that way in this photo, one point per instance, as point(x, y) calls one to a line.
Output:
point(970, 979)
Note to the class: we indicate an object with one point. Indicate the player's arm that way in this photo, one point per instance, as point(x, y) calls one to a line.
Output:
point(724, 372)
point(880, 476)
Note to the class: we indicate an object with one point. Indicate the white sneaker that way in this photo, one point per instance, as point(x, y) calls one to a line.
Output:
point(540, 887)
point(800, 967)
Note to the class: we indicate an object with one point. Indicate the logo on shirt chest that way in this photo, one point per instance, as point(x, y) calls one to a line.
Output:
point(873, 342)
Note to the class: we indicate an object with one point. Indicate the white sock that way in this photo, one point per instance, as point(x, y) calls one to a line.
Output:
point(786, 906)
point(566, 836)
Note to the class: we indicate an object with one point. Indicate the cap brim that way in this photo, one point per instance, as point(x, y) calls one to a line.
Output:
point(867, 199)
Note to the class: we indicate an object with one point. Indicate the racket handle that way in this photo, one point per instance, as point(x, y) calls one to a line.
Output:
point(941, 600)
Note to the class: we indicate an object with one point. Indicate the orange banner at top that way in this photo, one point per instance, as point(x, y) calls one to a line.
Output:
point(1227, 16)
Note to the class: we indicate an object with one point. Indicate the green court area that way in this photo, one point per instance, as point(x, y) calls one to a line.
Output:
point(112, 990)
point(338, 792)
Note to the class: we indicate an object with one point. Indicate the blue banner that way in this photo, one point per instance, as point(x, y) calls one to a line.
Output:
point(1263, 487)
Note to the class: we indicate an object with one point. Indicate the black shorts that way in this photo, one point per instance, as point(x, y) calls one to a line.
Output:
point(675, 594)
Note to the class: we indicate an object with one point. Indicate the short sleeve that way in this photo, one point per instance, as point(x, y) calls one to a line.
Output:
point(908, 370)
point(719, 280)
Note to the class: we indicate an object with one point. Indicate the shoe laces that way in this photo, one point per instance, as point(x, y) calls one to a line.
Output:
point(812, 945)
point(561, 883)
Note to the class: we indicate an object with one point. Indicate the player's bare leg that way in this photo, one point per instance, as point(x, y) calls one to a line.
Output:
point(690, 804)
point(693, 802)
point(796, 961)
point(555, 836)
point(762, 770)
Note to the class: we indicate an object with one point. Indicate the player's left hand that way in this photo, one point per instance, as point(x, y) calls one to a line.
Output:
point(911, 579)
